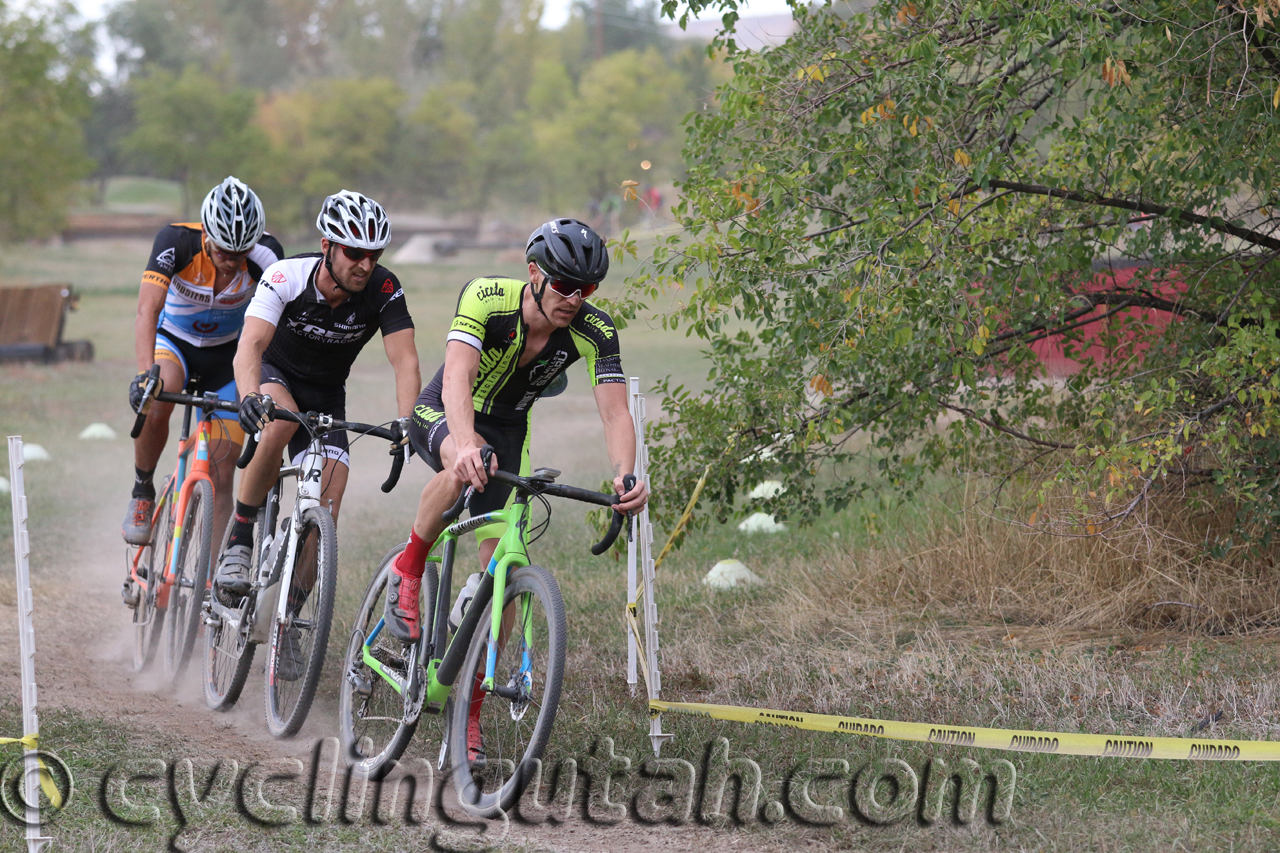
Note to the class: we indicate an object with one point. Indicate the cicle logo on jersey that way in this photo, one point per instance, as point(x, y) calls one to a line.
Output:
point(599, 325)
point(204, 328)
point(278, 278)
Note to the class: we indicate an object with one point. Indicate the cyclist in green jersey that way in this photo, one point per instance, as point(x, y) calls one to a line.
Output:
point(509, 341)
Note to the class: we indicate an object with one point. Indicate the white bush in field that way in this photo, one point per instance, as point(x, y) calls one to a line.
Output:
point(767, 489)
point(761, 522)
point(34, 453)
point(4, 485)
point(727, 574)
point(97, 432)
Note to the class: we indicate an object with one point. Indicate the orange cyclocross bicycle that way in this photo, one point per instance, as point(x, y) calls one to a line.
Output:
point(168, 576)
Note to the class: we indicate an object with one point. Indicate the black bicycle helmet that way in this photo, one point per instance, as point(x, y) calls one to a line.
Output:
point(568, 249)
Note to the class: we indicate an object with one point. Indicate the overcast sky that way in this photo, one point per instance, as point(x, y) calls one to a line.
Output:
point(554, 16)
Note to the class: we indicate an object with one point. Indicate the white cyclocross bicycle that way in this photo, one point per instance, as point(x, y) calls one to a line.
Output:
point(300, 558)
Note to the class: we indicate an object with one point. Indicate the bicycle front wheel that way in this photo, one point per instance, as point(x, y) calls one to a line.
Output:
point(182, 621)
point(148, 616)
point(515, 727)
point(295, 652)
point(370, 710)
point(228, 654)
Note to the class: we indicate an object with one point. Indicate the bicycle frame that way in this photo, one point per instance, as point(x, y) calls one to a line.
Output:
point(441, 671)
point(309, 472)
point(183, 483)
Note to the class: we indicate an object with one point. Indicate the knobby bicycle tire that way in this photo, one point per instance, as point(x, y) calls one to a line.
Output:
point(186, 596)
point(372, 728)
point(288, 700)
point(148, 616)
point(228, 655)
point(512, 740)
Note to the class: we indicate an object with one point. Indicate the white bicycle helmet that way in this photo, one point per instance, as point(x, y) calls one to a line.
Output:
point(232, 216)
point(351, 219)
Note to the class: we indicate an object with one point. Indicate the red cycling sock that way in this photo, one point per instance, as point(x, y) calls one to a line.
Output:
point(413, 559)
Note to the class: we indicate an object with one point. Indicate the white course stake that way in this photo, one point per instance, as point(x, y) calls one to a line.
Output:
point(26, 646)
point(641, 605)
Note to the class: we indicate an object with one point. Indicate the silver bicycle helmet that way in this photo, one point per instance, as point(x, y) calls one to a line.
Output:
point(351, 219)
point(232, 216)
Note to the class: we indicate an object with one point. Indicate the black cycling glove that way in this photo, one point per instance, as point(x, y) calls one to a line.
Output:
point(138, 386)
point(255, 412)
point(400, 437)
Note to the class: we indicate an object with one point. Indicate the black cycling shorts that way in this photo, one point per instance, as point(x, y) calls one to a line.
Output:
point(509, 439)
point(329, 399)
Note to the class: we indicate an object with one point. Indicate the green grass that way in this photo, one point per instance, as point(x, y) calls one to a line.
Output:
point(154, 194)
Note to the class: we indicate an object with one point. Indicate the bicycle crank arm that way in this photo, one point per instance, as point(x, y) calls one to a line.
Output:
point(507, 692)
point(414, 691)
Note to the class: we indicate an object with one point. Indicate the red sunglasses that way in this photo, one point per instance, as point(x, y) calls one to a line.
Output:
point(567, 288)
point(360, 254)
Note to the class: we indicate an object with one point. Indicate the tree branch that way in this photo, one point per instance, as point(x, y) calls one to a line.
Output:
point(1217, 223)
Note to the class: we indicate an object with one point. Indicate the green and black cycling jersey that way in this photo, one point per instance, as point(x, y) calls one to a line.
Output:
point(488, 317)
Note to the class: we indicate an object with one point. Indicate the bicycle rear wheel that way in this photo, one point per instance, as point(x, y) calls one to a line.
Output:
point(295, 652)
point(148, 616)
point(228, 654)
point(182, 621)
point(530, 667)
point(370, 710)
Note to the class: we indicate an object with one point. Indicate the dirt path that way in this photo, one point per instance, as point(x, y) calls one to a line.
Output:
point(84, 659)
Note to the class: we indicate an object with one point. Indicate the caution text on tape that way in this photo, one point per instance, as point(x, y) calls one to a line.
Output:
point(1014, 740)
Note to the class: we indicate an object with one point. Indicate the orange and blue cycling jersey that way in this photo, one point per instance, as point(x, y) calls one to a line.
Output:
point(192, 312)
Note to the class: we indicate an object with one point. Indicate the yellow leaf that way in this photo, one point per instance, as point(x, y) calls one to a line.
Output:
point(1168, 35)
point(630, 183)
point(1275, 99)
point(820, 384)
point(1035, 516)
point(915, 128)
point(906, 13)
point(962, 159)
point(954, 206)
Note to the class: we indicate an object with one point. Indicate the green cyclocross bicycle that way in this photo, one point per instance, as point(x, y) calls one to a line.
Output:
point(515, 667)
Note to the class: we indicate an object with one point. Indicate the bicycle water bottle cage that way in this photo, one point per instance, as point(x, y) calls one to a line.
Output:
point(545, 475)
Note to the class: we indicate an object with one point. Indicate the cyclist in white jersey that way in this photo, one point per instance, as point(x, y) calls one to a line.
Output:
point(191, 305)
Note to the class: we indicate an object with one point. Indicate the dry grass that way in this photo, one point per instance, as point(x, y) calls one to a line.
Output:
point(980, 622)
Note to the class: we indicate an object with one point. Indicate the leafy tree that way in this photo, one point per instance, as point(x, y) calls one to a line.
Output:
point(435, 151)
point(327, 136)
point(45, 70)
point(625, 111)
point(886, 216)
point(192, 129)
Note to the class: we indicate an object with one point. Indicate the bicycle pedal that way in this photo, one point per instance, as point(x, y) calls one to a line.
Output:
point(130, 595)
point(186, 582)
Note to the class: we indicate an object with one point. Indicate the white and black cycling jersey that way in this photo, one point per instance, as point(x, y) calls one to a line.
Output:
point(315, 343)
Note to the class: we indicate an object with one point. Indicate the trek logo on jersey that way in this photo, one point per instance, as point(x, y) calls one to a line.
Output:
point(599, 325)
point(278, 278)
point(388, 287)
point(166, 259)
point(319, 333)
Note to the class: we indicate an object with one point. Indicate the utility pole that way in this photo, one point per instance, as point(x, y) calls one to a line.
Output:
point(599, 29)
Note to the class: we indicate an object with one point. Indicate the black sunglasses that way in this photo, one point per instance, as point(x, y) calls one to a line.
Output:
point(360, 254)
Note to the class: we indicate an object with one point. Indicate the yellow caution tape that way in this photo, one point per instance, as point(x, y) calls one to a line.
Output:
point(47, 784)
point(1015, 740)
point(684, 516)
